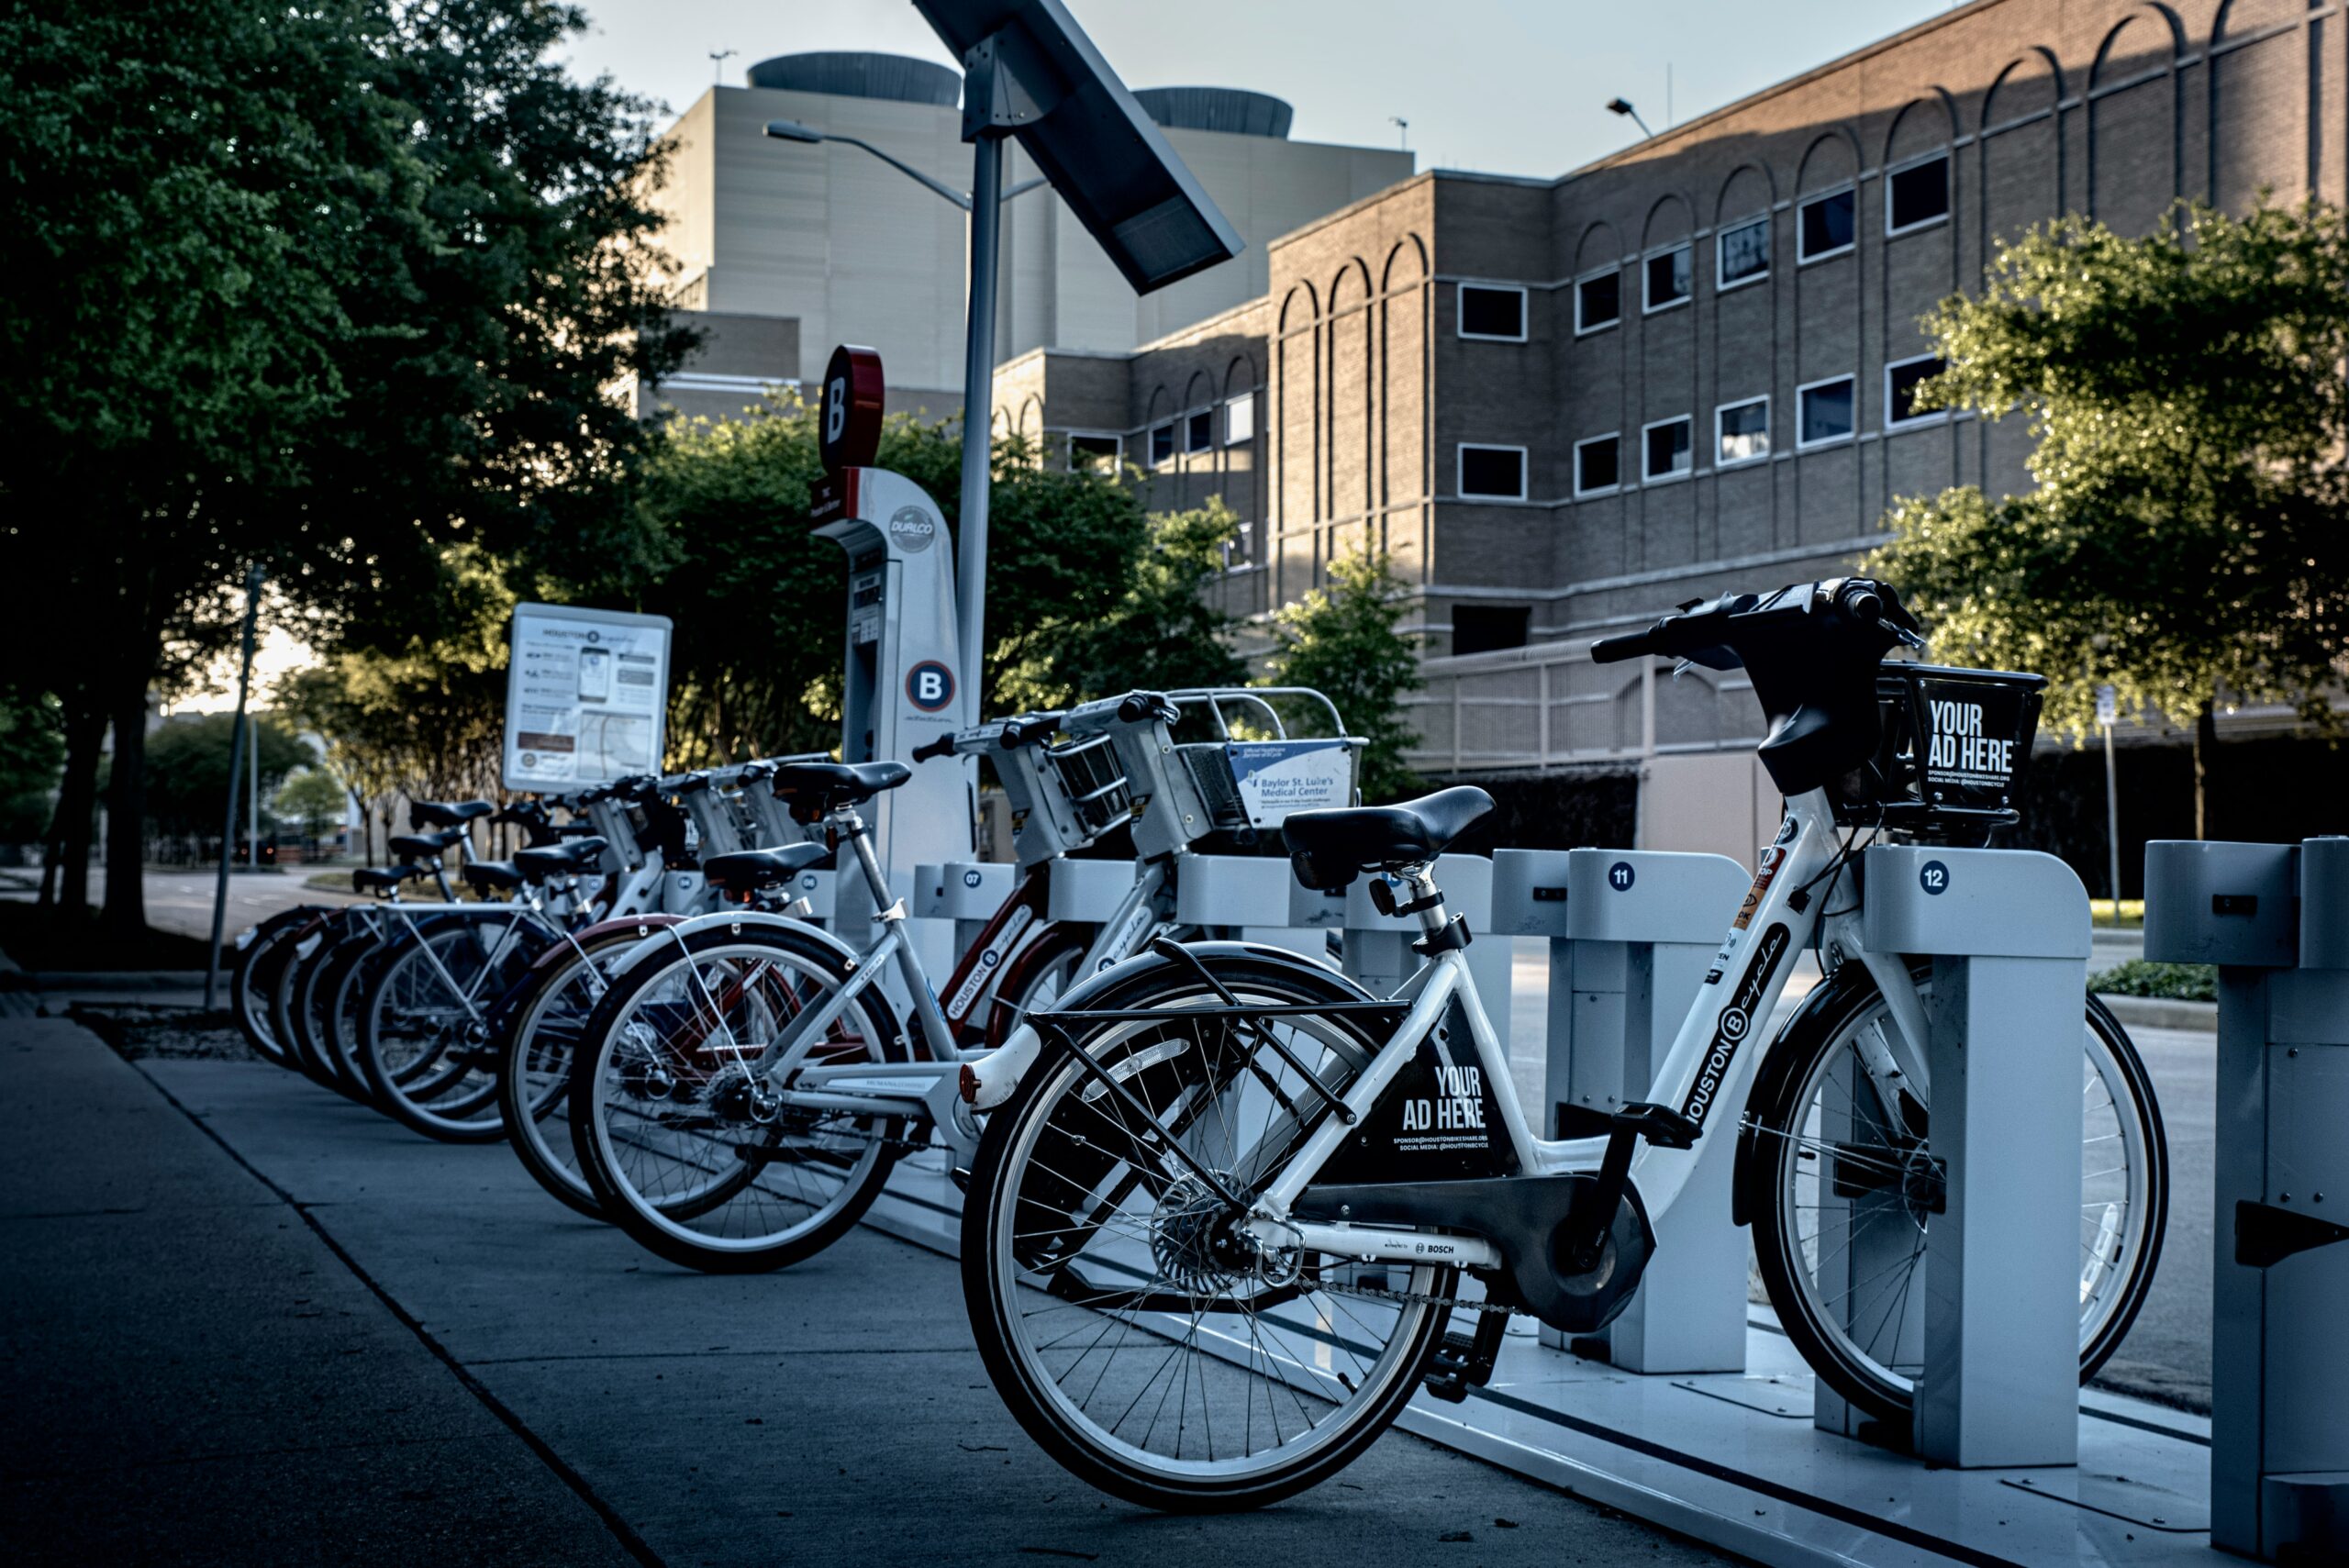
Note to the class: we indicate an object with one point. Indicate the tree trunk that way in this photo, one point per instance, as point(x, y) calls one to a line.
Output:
point(2205, 746)
point(77, 800)
point(125, 915)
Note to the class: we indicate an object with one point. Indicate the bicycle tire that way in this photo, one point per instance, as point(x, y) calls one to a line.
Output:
point(662, 1228)
point(523, 1051)
point(1772, 1182)
point(448, 1091)
point(252, 976)
point(993, 1268)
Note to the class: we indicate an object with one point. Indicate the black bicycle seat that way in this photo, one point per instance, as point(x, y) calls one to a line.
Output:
point(447, 813)
point(484, 875)
point(814, 788)
point(1329, 849)
point(746, 870)
point(383, 879)
point(424, 846)
point(570, 856)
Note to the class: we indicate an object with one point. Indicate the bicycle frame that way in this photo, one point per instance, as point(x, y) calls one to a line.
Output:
point(1712, 1061)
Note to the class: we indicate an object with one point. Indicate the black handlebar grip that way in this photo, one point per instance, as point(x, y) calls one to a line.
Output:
point(1865, 604)
point(1135, 707)
point(942, 747)
point(1615, 650)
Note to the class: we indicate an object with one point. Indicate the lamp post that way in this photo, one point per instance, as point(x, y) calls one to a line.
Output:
point(985, 205)
point(1623, 106)
point(253, 575)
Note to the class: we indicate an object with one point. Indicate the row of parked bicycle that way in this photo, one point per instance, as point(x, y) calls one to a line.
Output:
point(1223, 1204)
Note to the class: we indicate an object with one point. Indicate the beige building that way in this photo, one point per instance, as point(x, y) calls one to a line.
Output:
point(1563, 405)
point(831, 236)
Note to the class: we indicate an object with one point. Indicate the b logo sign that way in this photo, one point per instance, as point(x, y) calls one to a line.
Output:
point(929, 685)
point(851, 420)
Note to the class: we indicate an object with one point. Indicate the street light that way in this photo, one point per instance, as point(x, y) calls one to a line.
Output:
point(807, 135)
point(1623, 106)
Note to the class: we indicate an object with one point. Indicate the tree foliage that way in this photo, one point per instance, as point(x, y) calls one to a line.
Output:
point(187, 771)
point(1343, 639)
point(2187, 543)
point(312, 799)
point(330, 286)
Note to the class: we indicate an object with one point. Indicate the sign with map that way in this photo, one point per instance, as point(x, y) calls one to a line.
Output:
point(586, 696)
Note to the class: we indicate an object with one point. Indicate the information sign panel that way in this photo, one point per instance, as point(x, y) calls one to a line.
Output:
point(586, 696)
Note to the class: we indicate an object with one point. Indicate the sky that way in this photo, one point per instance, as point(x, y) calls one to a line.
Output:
point(1497, 86)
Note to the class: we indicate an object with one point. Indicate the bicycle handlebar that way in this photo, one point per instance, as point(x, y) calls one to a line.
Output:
point(942, 747)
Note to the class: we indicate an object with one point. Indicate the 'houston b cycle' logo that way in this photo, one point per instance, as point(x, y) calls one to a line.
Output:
point(929, 685)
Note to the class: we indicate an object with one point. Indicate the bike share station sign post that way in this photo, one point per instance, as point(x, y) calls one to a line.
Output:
point(902, 681)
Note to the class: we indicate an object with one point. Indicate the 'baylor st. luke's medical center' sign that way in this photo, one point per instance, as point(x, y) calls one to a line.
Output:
point(586, 696)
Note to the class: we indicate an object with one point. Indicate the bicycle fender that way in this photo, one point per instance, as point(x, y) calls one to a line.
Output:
point(683, 928)
point(988, 1081)
point(643, 925)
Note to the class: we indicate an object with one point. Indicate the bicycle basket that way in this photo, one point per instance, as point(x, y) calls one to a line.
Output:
point(1087, 772)
point(1256, 783)
point(1954, 744)
point(1210, 770)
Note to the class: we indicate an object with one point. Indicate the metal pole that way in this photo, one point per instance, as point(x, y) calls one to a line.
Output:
point(252, 793)
point(2112, 825)
point(978, 417)
point(236, 765)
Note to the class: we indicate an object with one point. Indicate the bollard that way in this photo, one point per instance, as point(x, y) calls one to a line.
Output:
point(1246, 896)
point(1378, 953)
point(2280, 1366)
point(1631, 935)
point(968, 892)
point(1997, 1337)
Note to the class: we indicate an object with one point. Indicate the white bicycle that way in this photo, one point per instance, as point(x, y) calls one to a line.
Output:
point(1218, 1226)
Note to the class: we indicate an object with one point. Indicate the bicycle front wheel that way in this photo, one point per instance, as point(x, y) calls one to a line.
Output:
point(535, 1058)
point(1840, 1192)
point(1146, 1339)
point(425, 1028)
point(683, 1108)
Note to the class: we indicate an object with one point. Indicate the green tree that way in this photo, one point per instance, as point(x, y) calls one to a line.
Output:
point(32, 751)
point(328, 287)
point(187, 771)
point(2189, 541)
point(757, 602)
point(313, 799)
point(1160, 632)
point(1343, 641)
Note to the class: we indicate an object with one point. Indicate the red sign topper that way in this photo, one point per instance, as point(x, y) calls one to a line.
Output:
point(851, 414)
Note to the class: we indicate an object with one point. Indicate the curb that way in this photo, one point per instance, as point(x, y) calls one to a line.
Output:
point(2160, 1013)
point(105, 980)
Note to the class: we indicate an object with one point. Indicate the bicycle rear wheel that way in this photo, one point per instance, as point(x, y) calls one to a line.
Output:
point(1840, 1221)
point(1137, 1334)
point(255, 974)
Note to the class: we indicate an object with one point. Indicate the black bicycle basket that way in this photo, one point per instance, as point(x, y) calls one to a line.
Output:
point(1954, 745)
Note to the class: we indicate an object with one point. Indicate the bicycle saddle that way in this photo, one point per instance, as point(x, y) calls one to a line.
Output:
point(488, 874)
point(424, 846)
point(383, 879)
point(544, 861)
point(747, 871)
point(1329, 849)
point(814, 788)
point(447, 813)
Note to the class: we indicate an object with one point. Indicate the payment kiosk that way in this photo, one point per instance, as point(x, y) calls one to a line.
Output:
point(902, 685)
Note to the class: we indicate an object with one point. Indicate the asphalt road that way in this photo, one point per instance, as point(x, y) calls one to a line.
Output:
point(181, 900)
point(250, 1322)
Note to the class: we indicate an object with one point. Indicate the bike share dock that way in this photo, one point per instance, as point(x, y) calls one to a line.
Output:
point(1749, 1458)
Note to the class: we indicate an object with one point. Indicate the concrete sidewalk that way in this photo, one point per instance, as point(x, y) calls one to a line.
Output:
point(836, 1413)
point(193, 1375)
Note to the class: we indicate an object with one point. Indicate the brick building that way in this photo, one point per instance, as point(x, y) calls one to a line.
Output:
point(1563, 405)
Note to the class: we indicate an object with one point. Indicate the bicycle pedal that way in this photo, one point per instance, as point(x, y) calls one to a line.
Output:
point(1462, 1361)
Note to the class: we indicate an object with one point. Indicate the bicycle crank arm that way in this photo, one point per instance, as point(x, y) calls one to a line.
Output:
point(1369, 1243)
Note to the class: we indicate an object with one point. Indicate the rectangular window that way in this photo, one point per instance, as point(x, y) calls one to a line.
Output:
point(1488, 628)
point(1240, 420)
point(1494, 311)
point(1917, 195)
point(1826, 411)
point(1198, 430)
point(1744, 253)
point(1598, 302)
point(1492, 473)
point(1599, 465)
point(1099, 454)
point(1742, 432)
point(1162, 445)
point(1669, 448)
point(1669, 280)
point(1237, 549)
point(1823, 226)
point(1901, 380)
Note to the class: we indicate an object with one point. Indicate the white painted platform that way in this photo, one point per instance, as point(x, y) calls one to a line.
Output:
point(1735, 1461)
